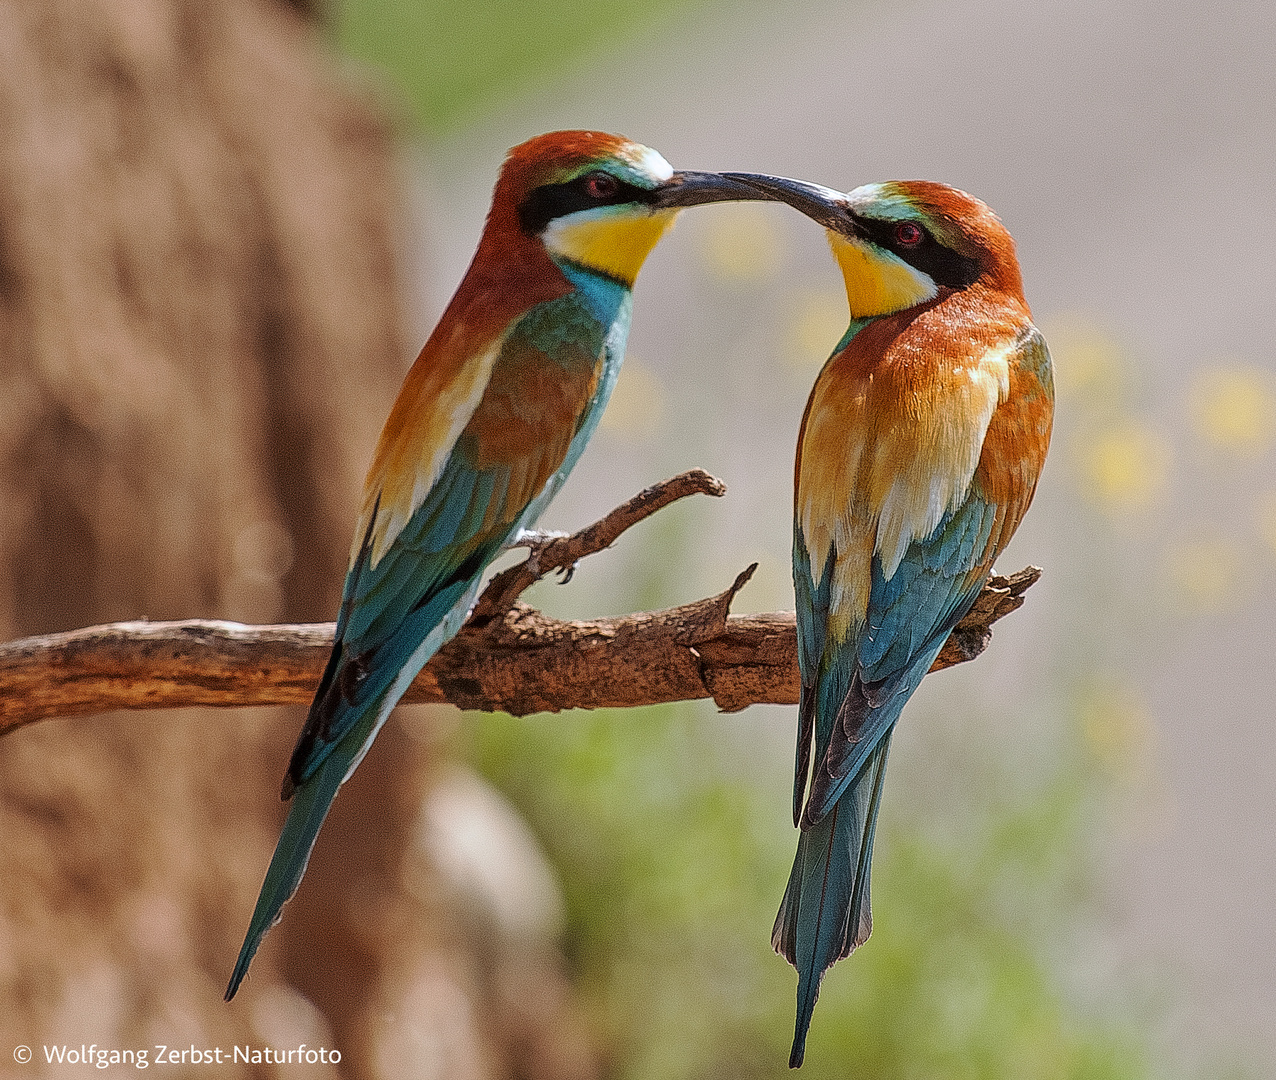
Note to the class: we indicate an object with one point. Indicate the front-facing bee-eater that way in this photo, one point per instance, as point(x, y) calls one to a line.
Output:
point(490, 420)
point(918, 454)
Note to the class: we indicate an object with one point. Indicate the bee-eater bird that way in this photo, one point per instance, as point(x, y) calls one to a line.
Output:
point(490, 420)
point(918, 454)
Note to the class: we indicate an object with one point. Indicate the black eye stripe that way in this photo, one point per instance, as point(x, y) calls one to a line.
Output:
point(942, 264)
point(544, 204)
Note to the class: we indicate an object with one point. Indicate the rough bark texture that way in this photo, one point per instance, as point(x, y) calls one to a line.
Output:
point(200, 333)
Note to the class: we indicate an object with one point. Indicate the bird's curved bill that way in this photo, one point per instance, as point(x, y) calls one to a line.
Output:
point(820, 204)
point(695, 188)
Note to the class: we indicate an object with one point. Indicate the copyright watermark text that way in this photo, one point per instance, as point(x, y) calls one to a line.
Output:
point(102, 1057)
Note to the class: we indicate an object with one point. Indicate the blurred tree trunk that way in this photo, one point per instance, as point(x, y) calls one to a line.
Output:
point(200, 333)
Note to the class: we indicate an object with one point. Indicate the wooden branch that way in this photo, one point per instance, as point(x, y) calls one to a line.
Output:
point(508, 657)
point(564, 552)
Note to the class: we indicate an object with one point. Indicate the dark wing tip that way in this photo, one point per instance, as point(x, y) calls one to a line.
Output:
point(241, 969)
point(806, 733)
point(818, 803)
point(806, 1007)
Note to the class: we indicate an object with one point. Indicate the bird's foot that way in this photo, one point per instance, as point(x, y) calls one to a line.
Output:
point(533, 538)
point(536, 540)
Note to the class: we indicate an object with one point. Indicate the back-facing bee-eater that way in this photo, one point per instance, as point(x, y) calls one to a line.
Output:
point(918, 454)
point(490, 420)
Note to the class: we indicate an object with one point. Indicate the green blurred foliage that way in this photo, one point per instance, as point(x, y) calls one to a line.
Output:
point(449, 59)
point(673, 859)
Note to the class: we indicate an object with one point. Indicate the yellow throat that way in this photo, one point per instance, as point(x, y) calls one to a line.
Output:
point(878, 283)
point(613, 242)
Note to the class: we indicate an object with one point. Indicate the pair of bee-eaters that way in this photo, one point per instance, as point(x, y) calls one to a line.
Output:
point(917, 457)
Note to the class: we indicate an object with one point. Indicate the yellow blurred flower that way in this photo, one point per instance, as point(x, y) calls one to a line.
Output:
point(1235, 408)
point(1205, 572)
point(1088, 362)
point(1117, 727)
point(819, 320)
point(1126, 466)
point(636, 403)
point(743, 243)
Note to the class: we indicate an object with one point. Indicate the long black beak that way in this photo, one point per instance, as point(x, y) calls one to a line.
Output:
point(694, 188)
point(823, 205)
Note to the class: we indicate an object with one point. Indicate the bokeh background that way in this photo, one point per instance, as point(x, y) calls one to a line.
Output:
point(1076, 867)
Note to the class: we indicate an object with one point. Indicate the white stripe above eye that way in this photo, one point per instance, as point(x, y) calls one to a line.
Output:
point(652, 163)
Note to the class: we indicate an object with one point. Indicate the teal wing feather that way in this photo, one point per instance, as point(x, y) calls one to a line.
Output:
point(852, 695)
point(417, 595)
point(478, 503)
point(812, 601)
point(394, 615)
point(390, 609)
point(910, 616)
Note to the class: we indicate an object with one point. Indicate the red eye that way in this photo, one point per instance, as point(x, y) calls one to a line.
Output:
point(907, 234)
point(600, 185)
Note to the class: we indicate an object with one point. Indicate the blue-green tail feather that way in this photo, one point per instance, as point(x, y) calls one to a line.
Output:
point(826, 911)
point(310, 803)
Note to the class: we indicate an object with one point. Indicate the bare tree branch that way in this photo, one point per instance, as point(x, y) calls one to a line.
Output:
point(509, 656)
